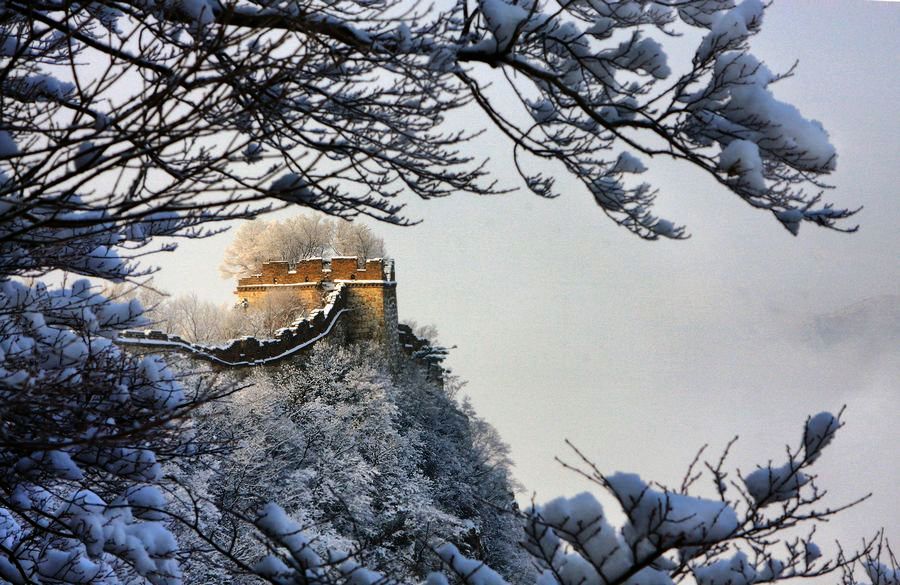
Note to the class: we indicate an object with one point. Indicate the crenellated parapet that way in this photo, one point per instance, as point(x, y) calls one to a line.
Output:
point(251, 351)
point(318, 270)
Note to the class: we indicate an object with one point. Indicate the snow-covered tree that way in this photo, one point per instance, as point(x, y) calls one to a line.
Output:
point(202, 321)
point(356, 239)
point(191, 318)
point(296, 238)
point(333, 442)
point(137, 107)
point(249, 249)
point(85, 427)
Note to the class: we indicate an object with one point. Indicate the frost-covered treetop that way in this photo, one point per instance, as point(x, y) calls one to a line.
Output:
point(141, 106)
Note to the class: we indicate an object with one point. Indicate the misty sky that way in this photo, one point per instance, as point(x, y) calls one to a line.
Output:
point(640, 352)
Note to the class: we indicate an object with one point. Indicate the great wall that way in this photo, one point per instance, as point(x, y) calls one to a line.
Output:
point(345, 300)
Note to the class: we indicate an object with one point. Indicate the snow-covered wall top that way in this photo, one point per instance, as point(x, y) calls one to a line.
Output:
point(250, 351)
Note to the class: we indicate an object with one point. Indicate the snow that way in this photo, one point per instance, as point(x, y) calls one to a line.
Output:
point(101, 121)
point(147, 502)
point(356, 574)
point(736, 570)
point(435, 578)
point(474, 572)
point(628, 163)
point(101, 260)
point(745, 100)
point(290, 284)
point(158, 384)
point(275, 523)
point(542, 110)
point(574, 537)
point(741, 158)
point(361, 36)
point(44, 85)
point(812, 552)
point(404, 37)
point(206, 352)
point(96, 529)
point(731, 28)
point(291, 187)
point(201, 11)
point(820, 430)
point(645, 54)
point(771, 484)
point(9, 529)
point(360, 281)
point(768, 485)
point(26, 497)
point(685, 520)
point(703, 13)
point(881, 574)
point(581, 519)
point(87, 156)
point(273, 568)
point(770, 570)
point(253, 152)
point(602, 27)
point(665, 228)
point(790, 219)
point(443, 59)
point(503, 19)
point(9, 44)
point(57, 462)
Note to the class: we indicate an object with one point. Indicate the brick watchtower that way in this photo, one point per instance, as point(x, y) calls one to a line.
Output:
point(371, 292)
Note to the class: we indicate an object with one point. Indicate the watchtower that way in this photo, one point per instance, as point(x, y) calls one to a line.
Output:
point(371, 291)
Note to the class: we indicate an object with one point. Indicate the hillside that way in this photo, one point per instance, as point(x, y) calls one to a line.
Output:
point(368, 458)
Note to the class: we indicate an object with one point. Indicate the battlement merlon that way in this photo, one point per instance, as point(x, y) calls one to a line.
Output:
point(317, 270)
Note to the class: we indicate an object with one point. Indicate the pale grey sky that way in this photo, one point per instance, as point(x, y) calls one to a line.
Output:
point(639, 352)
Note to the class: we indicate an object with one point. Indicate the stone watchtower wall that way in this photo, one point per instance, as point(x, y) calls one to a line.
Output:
point(371, 292)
